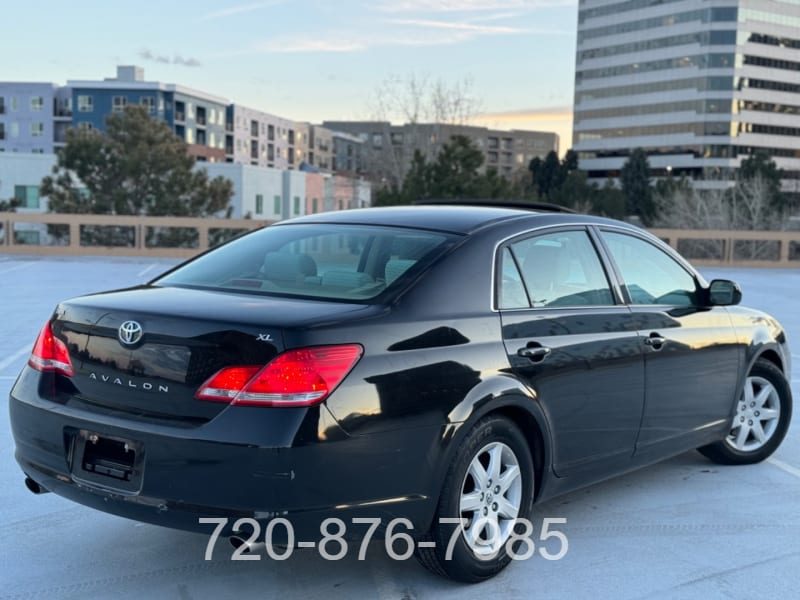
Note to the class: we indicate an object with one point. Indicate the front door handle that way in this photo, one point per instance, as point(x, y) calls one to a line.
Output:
point(534, 353)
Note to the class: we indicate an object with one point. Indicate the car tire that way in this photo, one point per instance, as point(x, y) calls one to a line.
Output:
point(763, 413)
point(505, 488)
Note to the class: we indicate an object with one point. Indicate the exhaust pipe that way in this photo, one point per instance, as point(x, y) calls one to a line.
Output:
point(237, 541)
point(35, 487)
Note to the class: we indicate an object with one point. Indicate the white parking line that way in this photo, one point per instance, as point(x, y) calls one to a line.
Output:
point(785, 467)
point(15, 267)
point(144, 272)
point(10, 360)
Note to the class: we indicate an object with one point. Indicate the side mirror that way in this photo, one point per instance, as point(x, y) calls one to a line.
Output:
point(723, 292)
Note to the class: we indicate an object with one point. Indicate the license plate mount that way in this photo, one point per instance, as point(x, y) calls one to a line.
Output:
point(108, 462)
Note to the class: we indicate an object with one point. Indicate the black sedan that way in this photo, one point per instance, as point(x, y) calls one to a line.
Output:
point(447, 366)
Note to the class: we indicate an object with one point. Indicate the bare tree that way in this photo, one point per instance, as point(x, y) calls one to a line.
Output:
point(746, 206)
point(428, 108)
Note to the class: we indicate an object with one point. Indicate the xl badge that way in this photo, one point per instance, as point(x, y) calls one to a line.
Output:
point(130, 332)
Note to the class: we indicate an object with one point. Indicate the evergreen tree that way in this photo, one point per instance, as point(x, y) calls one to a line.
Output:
point(635, 179)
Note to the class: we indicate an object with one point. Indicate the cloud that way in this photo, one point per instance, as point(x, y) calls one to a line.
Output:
point(149, 55)
point(459, 26)
point(289, 45)
point(237, 10)
point(548, 113)
point(396, 6)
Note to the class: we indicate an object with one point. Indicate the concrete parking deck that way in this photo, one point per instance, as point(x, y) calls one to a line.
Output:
point(685, 528)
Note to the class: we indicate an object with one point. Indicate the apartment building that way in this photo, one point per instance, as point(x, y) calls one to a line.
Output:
point(196, 117)
point(388, 149)
point(33, 117)
point(698, 85)
point(258, 138)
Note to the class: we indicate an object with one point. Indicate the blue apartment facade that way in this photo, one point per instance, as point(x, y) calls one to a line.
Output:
point(196, 117)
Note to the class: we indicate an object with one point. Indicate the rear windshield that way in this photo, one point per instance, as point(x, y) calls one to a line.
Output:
point(337, 262)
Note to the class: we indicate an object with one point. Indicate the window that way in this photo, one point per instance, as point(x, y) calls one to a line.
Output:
point(650, 275)
point(85, 103)
point(270, 152)
point(189, 111)
point(270, 132)
point(2, 105)
point(37, 129)
point(14, 103)
point(297, 205)
point(377, 140)
point(85, 126)
point(291, 137)
point(14, 129)
point(276, 207)
point(259, 204)
point(323, 261)
point(27, 195)
point(149, 103)
point(559, 269)
point(253, 148)
point(37, 103)
point(26, 237)
point(2, 131)
point(314, 206)
point(118, 103)
point(253, 128)
point(189, 135)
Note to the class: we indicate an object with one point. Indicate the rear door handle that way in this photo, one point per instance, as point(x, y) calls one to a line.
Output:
point(534, 353)
point(655, 340)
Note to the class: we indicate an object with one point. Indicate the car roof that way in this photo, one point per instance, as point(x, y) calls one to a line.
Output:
point(463, 219)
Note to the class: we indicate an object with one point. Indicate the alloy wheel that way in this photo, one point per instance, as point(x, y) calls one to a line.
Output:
point(491, 495)
point(757, 415)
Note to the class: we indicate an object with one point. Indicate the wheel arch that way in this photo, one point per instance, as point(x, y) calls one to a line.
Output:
point(517, 404)
point(770, 355)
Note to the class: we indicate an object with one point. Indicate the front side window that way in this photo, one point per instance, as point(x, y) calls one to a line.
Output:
point(37, 103)
point(337, 262)
point(650, 275)
point(560, 269)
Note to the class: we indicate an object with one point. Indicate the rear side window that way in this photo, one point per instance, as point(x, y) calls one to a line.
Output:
point(337, 262)
point(558, 269)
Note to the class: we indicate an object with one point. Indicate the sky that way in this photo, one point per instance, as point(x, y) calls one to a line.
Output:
point(312, 60)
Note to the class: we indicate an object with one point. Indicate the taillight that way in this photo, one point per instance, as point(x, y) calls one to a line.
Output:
point(301, 377)
point(50, 353)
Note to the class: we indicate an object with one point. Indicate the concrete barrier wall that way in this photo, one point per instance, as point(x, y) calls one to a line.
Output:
point(59, 234)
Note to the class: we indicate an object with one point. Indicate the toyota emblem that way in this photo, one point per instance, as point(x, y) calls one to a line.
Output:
point(130, 332)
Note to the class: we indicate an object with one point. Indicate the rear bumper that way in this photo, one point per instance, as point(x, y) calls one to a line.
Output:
point(247, 462)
